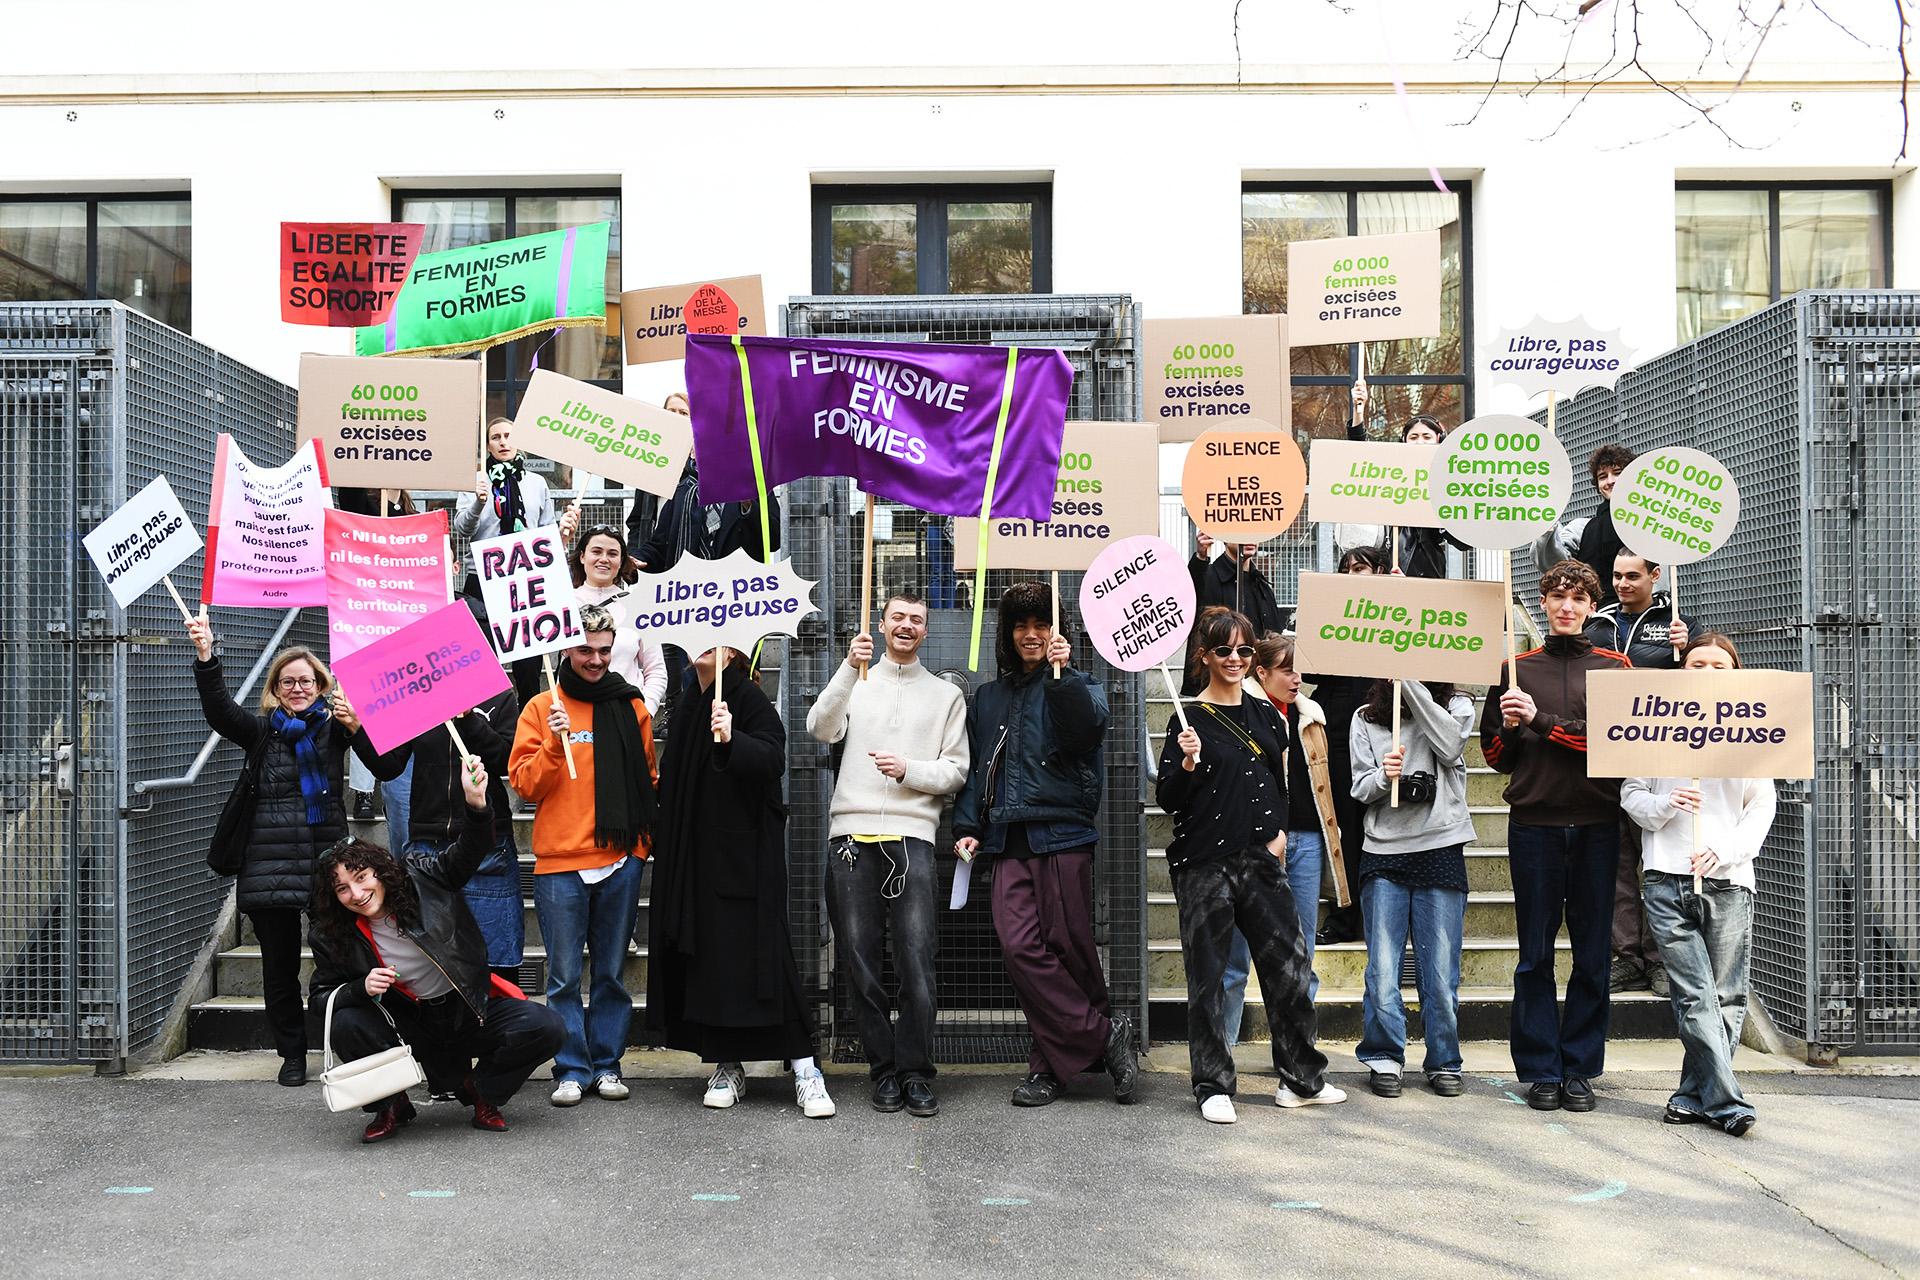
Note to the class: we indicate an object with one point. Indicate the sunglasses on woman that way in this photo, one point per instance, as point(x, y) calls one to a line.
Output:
point(1244, 651)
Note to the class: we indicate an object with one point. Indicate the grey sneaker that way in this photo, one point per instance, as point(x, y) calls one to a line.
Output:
point(1657, 980)
point(1625, 975)
point(727, 1086)
point(810, 1091)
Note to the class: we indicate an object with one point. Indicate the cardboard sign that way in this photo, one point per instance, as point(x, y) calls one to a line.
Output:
point(528, 591)
point(1109, 488)
point(1395, 628)
point(1364, 288)
point(425, 674)
point(659, 319)
point(342, 274)
point(1217, 373)
point(1699, 724)
point(1563, 358)
point(702, 604)
point(1137, 602)
point(394, 424)
point(264, 532)
point(1244, 486)
point(590, 429)
point(1675, 506)
point(1499, 481)
point(382, 573)
point(141, 543)
point(1371, 482)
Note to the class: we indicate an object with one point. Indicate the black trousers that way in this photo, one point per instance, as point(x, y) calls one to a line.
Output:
point(450, 1042)
point(874, 890)
point(1247, 891)
point(280, 935)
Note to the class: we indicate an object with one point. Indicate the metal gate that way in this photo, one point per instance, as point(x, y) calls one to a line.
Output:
point(980, 1020)
point(1812, 404)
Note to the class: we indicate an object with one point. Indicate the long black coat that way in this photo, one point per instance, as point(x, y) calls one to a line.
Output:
point(278, 870)
point(720, 953)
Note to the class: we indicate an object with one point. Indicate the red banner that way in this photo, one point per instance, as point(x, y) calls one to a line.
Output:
point(383, 572)
point(342, 274)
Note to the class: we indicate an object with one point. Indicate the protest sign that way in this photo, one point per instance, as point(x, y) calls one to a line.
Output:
point(1371, 482)
point(1243, 486)
point(141, 543)
point(382, 573)
point(1395, 628)
point(1675, 506)
point(427, 673)
point(1499, 480)
point(1561, 358)
point(1744, 723)
point(1364, 288)
point(1137, 603)
point(468, 299)
point(343, 274)
point(264, 530)
point(394, 424)
point(590, 429)
point(731, 603)
point(1109, 488)
point(528, 590)
point(658, 319)
point(1216, 373)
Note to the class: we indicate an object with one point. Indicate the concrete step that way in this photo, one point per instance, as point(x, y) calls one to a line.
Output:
point(1484, 962)
point(237, 969)
point(1487, 871)
point(1489, 825)
point(240, 1022)
point(1484, 1014)
point(1489, 915)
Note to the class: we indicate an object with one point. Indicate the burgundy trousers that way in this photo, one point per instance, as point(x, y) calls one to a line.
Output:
point(1043, 912)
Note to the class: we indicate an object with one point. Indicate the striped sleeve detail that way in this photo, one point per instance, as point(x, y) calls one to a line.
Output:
point(1615, 654)
point(1494, 749)
point(1571, 741)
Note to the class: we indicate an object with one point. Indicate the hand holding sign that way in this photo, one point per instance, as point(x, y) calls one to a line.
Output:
point(1137, 602)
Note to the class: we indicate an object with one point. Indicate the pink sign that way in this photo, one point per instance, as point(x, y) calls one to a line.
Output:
point(382, 573)
point(1137, 602)
point(264, 530)
point(422, 675)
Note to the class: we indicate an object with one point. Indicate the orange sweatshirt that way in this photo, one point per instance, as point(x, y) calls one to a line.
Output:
point(563, 822)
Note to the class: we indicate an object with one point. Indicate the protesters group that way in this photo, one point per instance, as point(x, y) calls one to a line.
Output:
point(1273, 794)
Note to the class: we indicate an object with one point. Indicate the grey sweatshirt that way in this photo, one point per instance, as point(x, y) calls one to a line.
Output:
point(1436, 742)
point(910, 712)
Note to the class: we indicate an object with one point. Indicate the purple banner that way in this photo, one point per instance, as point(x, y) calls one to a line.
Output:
point(910, 421)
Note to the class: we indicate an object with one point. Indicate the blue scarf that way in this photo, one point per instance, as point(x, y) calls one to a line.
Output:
point(302, 731)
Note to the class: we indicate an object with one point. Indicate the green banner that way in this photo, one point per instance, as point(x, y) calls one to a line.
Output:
point(469, 299)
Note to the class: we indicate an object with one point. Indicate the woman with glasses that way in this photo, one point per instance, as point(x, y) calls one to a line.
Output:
point(601, 575)
point(1224, 780)
point(297, 746)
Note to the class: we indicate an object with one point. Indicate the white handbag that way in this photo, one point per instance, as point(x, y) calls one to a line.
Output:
point(346, 1085)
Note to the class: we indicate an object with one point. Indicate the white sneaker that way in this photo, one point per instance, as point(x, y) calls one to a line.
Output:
point(567, 1094)
point(810, 1091)
point(611, 1088)
point(728, 1086)
point(1328, 1095)
point(1218, 1108)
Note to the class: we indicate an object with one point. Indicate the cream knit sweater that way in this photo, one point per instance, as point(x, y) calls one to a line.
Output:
point(910, 712)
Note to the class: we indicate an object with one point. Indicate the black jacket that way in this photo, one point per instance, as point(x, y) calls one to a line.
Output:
point(1231, 802)
point(1642, 637)
point(1423, 551)
point(446, 929)
point(1599, 544)
point(739, 529)
point(1547, 758)
point(278, 869)
point(1213, 585)
point(1036, 758)
point(439, 807)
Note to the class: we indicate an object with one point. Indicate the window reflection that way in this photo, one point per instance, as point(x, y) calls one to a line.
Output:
point(874, 248)
point(1722, 267)
point(1739, 248)
point(1831, 240)
point(989, 248)
point(142, 254)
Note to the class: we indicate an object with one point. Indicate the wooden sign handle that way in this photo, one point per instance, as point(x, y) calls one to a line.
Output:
point(1055, 585)
point(866, 581)
point(458, 745)
point(175, 593)
point(719, 675)
point(1393, 799)
point(1173, 691)
point(1697, 886)
point(566, 742)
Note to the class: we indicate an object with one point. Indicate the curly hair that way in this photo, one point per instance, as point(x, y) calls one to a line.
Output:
point(1019, 602)
point(332, 919)
point(1570, 575)
point(1610, 457)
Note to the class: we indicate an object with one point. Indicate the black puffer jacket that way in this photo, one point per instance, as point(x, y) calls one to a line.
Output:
point(445, 928)
point(278, 871)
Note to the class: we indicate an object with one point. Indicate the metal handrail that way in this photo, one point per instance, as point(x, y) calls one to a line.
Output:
point(192, 775)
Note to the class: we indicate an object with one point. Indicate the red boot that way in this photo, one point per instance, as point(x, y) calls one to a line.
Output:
point(487, 1116)
point(387, 1121)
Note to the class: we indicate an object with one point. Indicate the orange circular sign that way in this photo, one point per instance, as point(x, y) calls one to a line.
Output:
point(1244, 486)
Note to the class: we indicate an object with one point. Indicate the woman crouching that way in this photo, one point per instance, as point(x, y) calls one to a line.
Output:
point(399, 935)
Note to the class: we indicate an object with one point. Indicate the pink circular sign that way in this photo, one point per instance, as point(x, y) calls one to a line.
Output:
point(1137, 603)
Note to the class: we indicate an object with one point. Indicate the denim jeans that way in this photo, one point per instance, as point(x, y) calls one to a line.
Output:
point(1705, 939)
point(493, 896)
point(1570, 871)
point(596, 919)
point(1306, 852)
point(1436, 920)
point(871, 887)
point(396, 797)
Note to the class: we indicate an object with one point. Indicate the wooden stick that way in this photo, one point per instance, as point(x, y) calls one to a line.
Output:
point(566, 743)
point(1393, 800)
point(1056, 615)
point(1393, 541)
point(1173, 691)
point(458, 745)
point(866, 581)
point(1697, 886)
point(175, 593)
point(386, 500)
point(1552, 400)
point(720, 673)
point(1674, 569)
point(1506, 577)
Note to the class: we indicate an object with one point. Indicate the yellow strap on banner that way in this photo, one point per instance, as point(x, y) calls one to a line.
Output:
point(986, 507)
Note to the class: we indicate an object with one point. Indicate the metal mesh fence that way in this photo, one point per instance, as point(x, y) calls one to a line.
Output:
point(980, 1019)
point(1811, 404)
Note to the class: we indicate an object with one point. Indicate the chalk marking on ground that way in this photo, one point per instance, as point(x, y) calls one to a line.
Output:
point(714, 1197)
point(1612, 1188)
point(433, 1195)
point(1295, 1204)
point(1005, 1201)
point(1511, 1096)
point(127, 1191)
point(1557, 1128)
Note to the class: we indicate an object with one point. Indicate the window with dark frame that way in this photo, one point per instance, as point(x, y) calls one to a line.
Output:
point(134, 248)
point(933, 239)
point(1408, 376)
point(1740, 246)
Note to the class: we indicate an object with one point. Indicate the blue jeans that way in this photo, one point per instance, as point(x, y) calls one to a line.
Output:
point(1306, 851)
point(396, 797)
point(1570, 871)
point(597, 919)
point(1436, 919)
point(1705, 939)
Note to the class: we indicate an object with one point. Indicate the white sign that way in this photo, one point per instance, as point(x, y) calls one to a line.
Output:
point(705, 604)
point(528, 590)
point(1543, 356)
point(1498, 481)
point(142, 542)
point(1675, 506)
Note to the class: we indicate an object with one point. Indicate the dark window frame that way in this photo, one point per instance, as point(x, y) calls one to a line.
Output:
point(1879, 186)
point(510, 388)
point(93, 201)
point(1463, 190)
point(931, 201)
